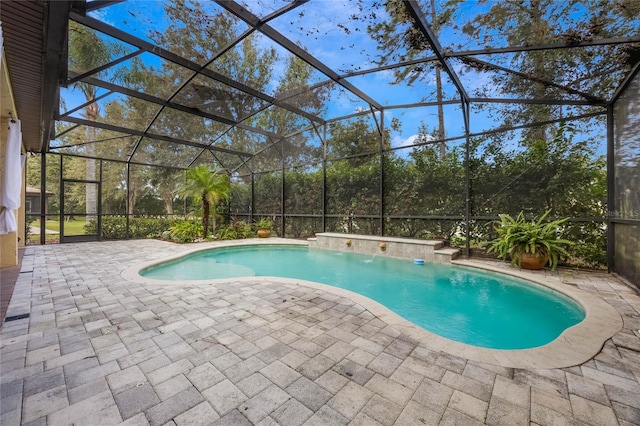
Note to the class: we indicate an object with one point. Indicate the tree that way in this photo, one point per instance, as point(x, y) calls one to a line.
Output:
point(539, 22)
point(165, 182)
point(208, 186)
point(355, 137)
point(52, 179)
point(136, 181)
point(399, 40)
point(87, 51)
point(199, 35)
point(521, 23)
point(568, 172)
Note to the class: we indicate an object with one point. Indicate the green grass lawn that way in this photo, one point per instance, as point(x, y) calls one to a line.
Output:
point(74, 227)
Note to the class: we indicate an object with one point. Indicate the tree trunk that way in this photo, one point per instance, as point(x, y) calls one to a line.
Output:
point(439, 95)
point(439, 98)
point(205, 217)
point(541, 66)
point(91, 205)
point(168, 201)
point(133, 192)
point(132, 201)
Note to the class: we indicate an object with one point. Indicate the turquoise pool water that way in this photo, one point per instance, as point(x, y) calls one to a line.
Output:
point(470, 306)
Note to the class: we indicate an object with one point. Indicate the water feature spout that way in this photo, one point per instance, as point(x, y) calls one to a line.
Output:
point(370, 260)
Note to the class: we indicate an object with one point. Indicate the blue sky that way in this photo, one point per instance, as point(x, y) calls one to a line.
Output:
point(328, 42)
point(323, 36)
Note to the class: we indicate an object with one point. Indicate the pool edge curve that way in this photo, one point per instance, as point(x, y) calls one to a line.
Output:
point(574, 346)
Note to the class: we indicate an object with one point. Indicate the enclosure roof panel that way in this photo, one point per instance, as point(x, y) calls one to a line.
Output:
point(196, 72)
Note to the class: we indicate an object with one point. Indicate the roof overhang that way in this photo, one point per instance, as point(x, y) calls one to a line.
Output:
point(35, 35)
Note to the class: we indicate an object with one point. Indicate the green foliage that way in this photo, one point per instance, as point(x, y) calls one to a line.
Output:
point(149, 227)
point(115, 227)
point(264, 223)
point(267, 192)
point(565, 176)
point(354, 137)
point(302, 227)
point(238, 229)
point(537, 237)
point(561, 174)
point(353, 187)
point(569, 177)
point(515, 23)
point(301, 190)
point(590, 247)
point(185, 232)
point(207, 186)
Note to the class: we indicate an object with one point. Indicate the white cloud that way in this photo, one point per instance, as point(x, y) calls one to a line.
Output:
point(399, 141)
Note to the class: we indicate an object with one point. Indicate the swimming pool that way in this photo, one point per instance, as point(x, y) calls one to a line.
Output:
point(462, 304)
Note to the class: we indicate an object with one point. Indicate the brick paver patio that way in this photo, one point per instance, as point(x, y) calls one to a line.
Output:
point(98, 349)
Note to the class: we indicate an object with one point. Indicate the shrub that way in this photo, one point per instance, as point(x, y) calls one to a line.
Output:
point(115, 227)
point(185, 232)
point(237, 230)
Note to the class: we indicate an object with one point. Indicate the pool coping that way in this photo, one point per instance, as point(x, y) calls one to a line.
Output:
point(574, 346)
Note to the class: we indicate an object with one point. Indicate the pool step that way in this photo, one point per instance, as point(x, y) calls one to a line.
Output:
point(433, 251)
point(446, 255)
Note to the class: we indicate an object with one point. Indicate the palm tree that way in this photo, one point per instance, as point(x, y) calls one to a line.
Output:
point(88, 51)
point(209, 186)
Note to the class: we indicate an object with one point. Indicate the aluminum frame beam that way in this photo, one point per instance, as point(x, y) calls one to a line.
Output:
point(539, 101)
point(179, 60)
point(539, 123)
point(99, 4)
point(112, 160)
point(89, 142)
point(134, 132)
point(416, 13)
point(277, 37)
point(161, 102)
point(105, 66)
point(390, 67)
point(569, 90)
point(550, 46)
point(79, 107)
point(217, 55)
point(627, 80)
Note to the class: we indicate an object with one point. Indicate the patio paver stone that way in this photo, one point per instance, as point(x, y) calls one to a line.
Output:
point(99, 349)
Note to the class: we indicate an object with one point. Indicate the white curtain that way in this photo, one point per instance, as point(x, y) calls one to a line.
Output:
point(11, 179)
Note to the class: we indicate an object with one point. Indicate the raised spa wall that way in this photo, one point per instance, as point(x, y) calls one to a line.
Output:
point(432, 251)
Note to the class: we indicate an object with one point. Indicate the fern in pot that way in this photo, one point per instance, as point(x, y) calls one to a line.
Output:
point(530, 244)
point(264, 226)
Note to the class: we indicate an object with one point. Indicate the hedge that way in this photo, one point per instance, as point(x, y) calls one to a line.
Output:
point(115, 227)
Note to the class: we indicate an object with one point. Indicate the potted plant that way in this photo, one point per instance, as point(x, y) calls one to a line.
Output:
point(529, 244)
point(264, 226)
